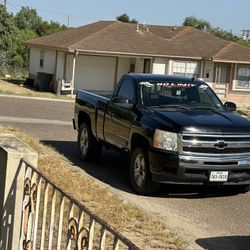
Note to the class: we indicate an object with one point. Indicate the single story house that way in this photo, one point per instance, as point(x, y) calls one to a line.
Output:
point(95, 56)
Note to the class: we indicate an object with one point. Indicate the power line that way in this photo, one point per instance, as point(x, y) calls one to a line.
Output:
point(56, 13)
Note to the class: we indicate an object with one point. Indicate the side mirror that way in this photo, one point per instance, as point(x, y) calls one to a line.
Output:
point(230, 106)
point(121, 102)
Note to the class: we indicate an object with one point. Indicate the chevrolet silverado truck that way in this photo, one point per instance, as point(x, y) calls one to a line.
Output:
point(175, 129)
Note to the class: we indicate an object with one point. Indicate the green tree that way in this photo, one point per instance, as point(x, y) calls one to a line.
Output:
point(199, 24)
point(48, 28)
point(224, 34)
point(21, 49)
point(125, 18)
point(27, 18)
point(8, 32)
point(217, 31)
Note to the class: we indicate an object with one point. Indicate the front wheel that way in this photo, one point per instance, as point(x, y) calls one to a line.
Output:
point(89, 147)
point(140, 176)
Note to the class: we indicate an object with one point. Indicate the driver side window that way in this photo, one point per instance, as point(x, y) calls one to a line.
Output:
point(127, 90)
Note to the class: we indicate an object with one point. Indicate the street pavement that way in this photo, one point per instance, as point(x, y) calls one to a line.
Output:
point(213, 220)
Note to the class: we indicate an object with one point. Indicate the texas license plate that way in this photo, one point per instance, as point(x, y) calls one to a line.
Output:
point(218, 176)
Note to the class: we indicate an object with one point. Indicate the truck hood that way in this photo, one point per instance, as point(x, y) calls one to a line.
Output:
point(200, 121)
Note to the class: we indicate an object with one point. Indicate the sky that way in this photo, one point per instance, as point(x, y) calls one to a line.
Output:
point(231, 15)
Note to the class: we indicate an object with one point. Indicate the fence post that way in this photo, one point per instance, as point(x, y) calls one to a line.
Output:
point(12, 172)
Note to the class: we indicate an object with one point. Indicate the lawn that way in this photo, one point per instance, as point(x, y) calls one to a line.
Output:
point(17, 87)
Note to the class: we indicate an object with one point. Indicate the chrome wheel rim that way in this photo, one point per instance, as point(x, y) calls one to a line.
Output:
point(139, 170)
point(84, 142)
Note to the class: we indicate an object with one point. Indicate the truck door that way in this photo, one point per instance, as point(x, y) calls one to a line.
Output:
point(118, 120)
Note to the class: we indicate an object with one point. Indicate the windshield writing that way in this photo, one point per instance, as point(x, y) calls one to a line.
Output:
point(174, 94)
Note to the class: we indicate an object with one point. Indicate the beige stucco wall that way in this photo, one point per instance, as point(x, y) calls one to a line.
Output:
point(12, 177)
point(60, 65)
point(49, 64)
point(208, 69)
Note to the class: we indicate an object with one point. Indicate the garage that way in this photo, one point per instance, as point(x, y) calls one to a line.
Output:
point(94, 72)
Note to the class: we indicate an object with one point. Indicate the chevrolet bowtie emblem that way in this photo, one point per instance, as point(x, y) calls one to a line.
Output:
point(221, 145)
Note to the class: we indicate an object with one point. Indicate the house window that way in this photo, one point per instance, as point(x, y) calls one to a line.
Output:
point(41, 58)
point(243, 77)
point(185, 68)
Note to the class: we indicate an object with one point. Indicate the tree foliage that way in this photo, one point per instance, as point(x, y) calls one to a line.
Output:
point(217, 31)
point(16, 29)
point(8, 33)
point(199, 24)
point(27, 18)
point(47, 28)
point(125, 18)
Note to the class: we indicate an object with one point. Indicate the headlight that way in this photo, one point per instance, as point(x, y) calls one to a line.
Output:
point(165, 140)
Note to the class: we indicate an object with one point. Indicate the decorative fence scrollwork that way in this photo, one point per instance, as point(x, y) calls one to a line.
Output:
point(53, 219)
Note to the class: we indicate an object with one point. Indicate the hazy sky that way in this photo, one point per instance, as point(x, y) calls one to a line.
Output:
point(228, 14)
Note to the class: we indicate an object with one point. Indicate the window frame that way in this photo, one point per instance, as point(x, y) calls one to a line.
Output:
point(186, 68)
point(41, 61)
point(237, 85)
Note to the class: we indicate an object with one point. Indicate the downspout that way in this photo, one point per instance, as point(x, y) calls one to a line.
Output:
point(73, 72)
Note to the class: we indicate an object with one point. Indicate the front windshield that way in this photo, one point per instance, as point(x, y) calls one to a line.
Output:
point(186, 95)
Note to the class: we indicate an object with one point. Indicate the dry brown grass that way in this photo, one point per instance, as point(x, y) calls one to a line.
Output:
point(244, 111)
point(7, 88)
point(131, 221)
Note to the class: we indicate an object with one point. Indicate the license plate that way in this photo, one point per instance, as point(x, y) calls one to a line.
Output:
point(218, 176)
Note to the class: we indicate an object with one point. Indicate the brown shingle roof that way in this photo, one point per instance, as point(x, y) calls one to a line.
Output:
point(234, 52)
point(117, 37)
point(67, 38)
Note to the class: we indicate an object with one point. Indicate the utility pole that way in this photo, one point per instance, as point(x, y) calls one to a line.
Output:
point(5, 3)
point(68, 21)
point(245, 34)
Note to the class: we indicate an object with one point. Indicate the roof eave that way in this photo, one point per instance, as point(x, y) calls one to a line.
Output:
point(231, 61)
point(48, 47)
point(116, 53)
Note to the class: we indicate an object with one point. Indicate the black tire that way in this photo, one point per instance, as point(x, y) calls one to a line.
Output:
point(89, 148)
point(140, 176)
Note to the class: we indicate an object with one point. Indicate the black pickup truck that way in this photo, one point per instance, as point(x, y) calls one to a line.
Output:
point(175, 129)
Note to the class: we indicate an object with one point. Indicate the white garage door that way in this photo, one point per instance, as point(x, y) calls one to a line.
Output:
point(95, 73)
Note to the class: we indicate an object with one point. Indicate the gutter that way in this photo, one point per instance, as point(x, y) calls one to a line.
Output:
point(231, 61)
point(115, 53)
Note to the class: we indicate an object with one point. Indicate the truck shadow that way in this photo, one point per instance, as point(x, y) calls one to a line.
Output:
point(225, 243)
point(113, 169)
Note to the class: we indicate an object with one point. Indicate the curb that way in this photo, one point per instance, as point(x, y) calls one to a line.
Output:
point(37, 98)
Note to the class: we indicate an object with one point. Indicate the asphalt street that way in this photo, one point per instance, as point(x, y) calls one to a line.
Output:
point(213, 220)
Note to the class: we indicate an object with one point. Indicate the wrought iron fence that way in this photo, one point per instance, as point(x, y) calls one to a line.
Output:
point(53, 219)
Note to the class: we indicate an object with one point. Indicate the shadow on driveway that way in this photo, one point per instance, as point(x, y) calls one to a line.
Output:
point(225, 243)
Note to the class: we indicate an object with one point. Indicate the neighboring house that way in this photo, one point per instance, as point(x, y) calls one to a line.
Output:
point(95, 56)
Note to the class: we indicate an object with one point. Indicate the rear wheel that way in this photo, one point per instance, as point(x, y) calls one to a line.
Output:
point(140, 176)
point(89, 147)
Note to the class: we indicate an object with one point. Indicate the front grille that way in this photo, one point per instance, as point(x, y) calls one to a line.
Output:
point(214, 138)
point(217, 151)
point(215, 144)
